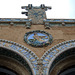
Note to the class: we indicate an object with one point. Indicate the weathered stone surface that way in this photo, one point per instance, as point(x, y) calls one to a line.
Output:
point(37, 15)
point(16, 34)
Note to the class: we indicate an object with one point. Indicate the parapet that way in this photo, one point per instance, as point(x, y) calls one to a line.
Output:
point(36, 14)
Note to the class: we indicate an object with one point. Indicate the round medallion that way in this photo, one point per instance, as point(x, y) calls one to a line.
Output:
point(38, 38)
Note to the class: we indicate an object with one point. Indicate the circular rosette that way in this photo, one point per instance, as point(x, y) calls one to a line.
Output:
point(38, 38)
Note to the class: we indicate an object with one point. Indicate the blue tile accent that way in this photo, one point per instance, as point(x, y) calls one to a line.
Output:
point(30, 38)
point(13, 47)
point(50, 54)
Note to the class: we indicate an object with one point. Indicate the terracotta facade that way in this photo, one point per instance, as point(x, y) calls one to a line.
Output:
point(19, 57)
point(16, 34)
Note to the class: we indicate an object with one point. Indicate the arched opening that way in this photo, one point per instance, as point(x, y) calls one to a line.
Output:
point(68, 71)
point(64, 63)
point(6, 71)
point(11, 63)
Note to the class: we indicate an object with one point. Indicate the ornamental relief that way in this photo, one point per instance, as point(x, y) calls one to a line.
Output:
point(39, 66)
point(38, 38)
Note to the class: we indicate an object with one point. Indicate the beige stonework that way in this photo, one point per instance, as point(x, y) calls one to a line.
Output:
point(16, 34)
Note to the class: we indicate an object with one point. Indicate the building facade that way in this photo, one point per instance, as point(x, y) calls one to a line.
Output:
point(37, 45)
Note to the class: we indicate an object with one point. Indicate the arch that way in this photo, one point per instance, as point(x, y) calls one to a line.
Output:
point(66, 55)
point(20, 53)
point(51, 55)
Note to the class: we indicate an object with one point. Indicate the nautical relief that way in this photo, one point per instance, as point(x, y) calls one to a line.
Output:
point(38, 38)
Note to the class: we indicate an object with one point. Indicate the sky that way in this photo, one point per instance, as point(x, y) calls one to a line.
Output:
point(64, 9)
